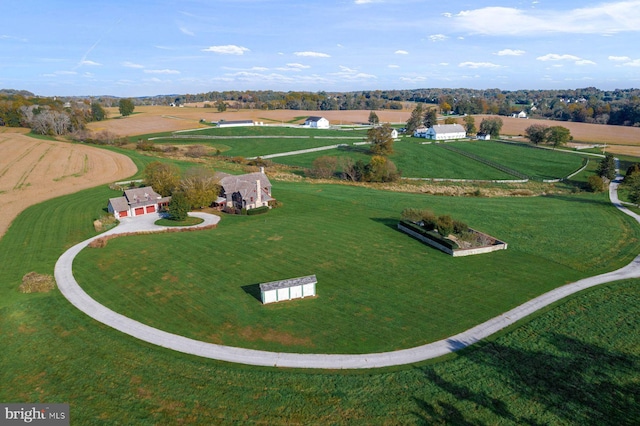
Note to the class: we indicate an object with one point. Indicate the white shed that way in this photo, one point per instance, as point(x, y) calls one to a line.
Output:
point(294, 288)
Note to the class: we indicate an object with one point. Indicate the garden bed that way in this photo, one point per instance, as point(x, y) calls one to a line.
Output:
point(484, 243)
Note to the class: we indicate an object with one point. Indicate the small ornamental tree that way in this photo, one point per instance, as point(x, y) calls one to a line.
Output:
point(221, 106)
point(558, 136)
point(97, 112)
point(491, 126)
point(415, 120)
point(469, 124)
point(444, 225)
point(179, 207)
point(164, 178)
point(595, 183)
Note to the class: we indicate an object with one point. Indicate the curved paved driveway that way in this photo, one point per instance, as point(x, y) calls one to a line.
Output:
point(72, 291)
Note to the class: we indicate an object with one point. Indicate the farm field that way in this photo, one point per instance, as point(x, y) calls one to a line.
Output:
point(576, 363)
point(346, 236)
point(33, 170)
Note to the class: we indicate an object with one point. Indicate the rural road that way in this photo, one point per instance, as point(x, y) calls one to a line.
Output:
point(74, 293)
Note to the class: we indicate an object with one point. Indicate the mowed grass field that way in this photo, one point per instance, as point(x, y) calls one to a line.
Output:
point(379, 289)
point(576, 363)
point(414, 158)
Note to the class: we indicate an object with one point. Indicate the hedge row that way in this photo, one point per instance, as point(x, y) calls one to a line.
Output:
point(258, 210)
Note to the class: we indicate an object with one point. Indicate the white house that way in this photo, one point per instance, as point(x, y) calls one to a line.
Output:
point(441, 132)
point(483, 136)
point(137, 202)
point(520, 114)
point(237, 123)
point(394, 133)
point(295, 288)
point(317, 123)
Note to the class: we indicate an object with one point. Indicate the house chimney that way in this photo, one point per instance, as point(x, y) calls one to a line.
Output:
point(258, 194)
point(261, 169)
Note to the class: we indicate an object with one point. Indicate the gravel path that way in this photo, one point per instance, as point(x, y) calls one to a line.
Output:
point(74, 293)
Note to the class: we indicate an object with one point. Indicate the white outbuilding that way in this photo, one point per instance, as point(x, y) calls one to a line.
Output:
point(294, 288)
point(317, 123)
point(442, 132)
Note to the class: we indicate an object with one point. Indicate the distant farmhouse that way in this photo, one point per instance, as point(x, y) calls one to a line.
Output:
point(248, 191)
point(137, 202)
point(441, 132)
point(237, 123)
point(317, 123)
point(483, 136)
point(520, 114)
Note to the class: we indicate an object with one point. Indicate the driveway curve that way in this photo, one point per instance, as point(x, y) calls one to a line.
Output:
point(77, 296)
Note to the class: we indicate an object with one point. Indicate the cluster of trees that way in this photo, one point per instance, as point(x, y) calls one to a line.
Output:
point(443, 225)
point(591, 105)
point(554, 135)
point(198, 187)
point(50, 116)
point(379, 168)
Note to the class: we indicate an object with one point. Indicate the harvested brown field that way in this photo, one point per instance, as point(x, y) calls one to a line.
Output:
point(581, 132)
point(152, 119)
point(34, 170)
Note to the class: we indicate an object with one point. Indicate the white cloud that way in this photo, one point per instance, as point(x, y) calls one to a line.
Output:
point(65, 73)
point(619, 58)
point(184, 30)
point(401, 52)
point(165, 71)
point(413, 79)
point(393, 66)
point(604, 18)
point(367, 1)
point(229, 49)
point(8, 37)
point(294, 67)
point(510, 52)
point(585, 62)
point(312, 54)
point(447, 15)
point(128, 64)
point(556, 57)
point(90, 63)
point(476, 65)
point(347, 73)
point(634, 63)
point(438, 37)
point(444, 64)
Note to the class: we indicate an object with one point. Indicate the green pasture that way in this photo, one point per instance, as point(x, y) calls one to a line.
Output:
point(534, 162)
point(378, 288)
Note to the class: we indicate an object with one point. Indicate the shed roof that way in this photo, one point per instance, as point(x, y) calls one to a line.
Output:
point(314, 118)
point(119, 204)
point(292, 282)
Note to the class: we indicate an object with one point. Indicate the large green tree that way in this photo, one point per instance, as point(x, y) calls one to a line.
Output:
point(415, 120)
point(536, 133)
point(469, 124)
point(380, 140)
point(491, 126)
point(632, 185)
point(607, 167)
point(164, 178)
point(126, 107)
point(430, 117)
point(558, 136)
point(221, 106)
point(200, 186)
point(97, 112)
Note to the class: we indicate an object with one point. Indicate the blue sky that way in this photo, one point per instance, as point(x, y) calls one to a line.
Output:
point(145, 47)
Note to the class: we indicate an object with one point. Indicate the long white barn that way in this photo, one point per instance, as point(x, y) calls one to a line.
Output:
point(441, 132)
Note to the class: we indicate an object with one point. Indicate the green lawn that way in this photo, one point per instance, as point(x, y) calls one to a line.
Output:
point(537, 163)
point(577, 363)
point(377, 287)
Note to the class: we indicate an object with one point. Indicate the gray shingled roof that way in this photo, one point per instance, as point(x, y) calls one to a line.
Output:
point(119, 204)
point(292, 282)
point(245, 184)
point(314, 118)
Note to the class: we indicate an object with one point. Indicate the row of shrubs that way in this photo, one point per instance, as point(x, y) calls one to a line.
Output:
point(443, 225)
point(433, 236)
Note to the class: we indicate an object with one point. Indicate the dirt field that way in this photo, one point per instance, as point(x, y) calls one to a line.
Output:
point(33, 170)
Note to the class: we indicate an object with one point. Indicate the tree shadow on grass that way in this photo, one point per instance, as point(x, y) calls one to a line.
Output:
point(578, 199)
point(387, 221)
point(574, 382)
point(253, 290)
